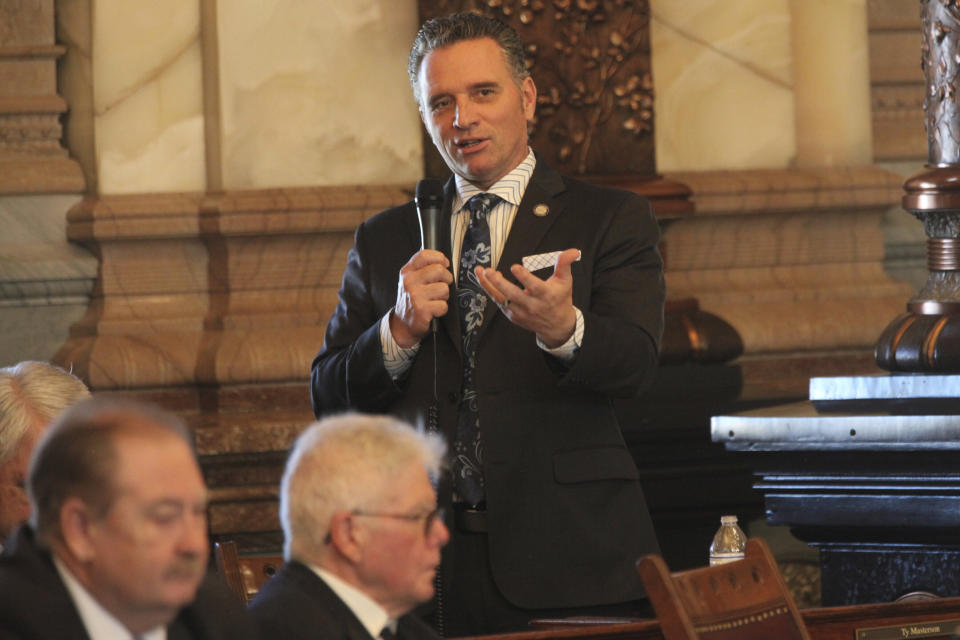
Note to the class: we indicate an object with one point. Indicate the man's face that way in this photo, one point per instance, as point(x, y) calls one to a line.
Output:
point(474, 111)
point(14, 504)
point(400, 557)
point(150, 549)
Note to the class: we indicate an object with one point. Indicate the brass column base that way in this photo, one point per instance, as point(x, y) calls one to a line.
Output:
point(926, 339)
point(917, 342)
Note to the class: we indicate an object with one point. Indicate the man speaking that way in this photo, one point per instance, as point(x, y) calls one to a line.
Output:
point(552, 307)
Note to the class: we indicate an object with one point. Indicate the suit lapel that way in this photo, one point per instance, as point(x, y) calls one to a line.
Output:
point(528, 229)
point(350, 627)
point(177, 631)
point(409, 627)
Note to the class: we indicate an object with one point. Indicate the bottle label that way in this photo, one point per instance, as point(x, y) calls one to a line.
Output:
point(724, 558)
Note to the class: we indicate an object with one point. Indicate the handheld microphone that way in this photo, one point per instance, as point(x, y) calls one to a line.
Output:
point(429, 201)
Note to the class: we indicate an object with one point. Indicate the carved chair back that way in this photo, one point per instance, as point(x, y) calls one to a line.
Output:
point(742, 600)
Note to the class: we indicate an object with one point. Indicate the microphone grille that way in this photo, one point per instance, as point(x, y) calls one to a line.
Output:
point(429, 192)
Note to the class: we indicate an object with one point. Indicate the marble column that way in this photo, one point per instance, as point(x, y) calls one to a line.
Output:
point(831, 82)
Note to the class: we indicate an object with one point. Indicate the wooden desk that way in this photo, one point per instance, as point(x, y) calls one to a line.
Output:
point(829, 623)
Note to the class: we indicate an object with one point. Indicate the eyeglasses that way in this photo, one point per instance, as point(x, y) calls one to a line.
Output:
point(429, 518)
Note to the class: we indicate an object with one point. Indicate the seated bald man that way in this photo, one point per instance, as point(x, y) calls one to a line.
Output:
point(116, 548)
point(362, 533)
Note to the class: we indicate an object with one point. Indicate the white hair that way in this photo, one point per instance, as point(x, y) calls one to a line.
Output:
point(33, 393)
point(346, 462)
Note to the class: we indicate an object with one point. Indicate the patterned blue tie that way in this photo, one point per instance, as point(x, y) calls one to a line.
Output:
point(471, 300)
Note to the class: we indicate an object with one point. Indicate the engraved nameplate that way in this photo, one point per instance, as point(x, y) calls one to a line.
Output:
point(938, 629)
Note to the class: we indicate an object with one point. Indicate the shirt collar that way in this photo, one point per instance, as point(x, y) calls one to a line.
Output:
point(510, 187)
point(372, 616)
point(99, 623)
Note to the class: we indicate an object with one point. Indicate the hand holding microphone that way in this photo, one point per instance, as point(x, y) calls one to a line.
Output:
point(425, 280)
point(429, 204)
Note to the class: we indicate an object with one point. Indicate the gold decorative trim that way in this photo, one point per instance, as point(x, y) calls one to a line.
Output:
point(742, 621)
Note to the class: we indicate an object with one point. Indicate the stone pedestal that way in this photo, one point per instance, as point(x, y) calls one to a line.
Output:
point(877, 492)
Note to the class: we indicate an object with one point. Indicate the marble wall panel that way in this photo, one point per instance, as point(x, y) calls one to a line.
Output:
point(147, 96)
point(724, 86)
point(761, 84)
point(316, 93)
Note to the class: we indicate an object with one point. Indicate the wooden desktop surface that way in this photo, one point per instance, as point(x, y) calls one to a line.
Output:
point(829, 623)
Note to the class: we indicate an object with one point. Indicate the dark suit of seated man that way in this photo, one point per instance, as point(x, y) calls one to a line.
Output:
point(117, 543)
point(362, 533)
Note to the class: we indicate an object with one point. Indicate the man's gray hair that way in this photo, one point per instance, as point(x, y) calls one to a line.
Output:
point(457, 27)
point(77, 456)
point(342, 463)
point(32, 394)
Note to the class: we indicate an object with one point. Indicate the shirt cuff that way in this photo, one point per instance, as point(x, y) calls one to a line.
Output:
point(396, 359)
point(568, 350)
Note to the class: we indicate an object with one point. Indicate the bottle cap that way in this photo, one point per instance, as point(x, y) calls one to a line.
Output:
point(728, 519)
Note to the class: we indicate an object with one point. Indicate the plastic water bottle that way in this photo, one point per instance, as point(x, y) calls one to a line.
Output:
point(729, 543)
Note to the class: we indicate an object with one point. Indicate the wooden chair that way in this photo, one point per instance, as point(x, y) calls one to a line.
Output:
point(742, 600)
point(244, 574)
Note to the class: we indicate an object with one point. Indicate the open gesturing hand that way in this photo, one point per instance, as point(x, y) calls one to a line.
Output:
point(542, 306)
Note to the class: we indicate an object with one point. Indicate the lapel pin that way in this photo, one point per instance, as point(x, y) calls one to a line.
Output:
point(540, 210)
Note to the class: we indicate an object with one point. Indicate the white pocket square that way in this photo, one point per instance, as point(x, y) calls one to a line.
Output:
point(542, 260)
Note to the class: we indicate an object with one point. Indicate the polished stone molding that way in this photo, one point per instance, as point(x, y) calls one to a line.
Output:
point(792, 259)
point(213, 289)
point(45, 282)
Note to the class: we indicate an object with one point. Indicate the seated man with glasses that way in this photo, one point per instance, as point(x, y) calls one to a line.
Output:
point(362, 532)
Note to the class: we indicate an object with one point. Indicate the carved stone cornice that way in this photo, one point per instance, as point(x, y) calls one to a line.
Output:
point(791, 260)
point(32, 159)
point(227, 288)
point(763, 191)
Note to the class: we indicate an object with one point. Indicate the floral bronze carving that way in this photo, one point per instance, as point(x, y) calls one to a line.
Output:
point(941, 66)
